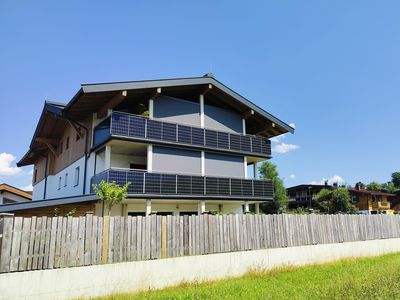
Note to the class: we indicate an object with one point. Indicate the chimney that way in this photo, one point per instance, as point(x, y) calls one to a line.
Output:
point(358, 186)
point(326, 182)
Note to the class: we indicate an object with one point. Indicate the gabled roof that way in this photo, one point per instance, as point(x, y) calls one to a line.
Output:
point(16, 191)
point(48, 119)
point(175, 82)
point(370, 192)
point(91, 97)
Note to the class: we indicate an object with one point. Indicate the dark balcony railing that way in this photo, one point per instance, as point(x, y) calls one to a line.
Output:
point(164, 184)
point(142, 128)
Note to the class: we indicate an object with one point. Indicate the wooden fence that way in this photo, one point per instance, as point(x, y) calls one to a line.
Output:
point(45, 243)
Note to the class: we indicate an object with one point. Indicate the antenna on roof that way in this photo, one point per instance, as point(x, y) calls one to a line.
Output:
point(209, 75)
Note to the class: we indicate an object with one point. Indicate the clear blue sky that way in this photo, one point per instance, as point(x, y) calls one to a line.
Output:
point(330, 67)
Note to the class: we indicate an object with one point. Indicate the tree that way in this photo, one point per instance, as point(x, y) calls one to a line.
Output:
point(111, 193)
point(374, 186)
point(390, 187)
point(323, 198)
point(336, 200)
point(396, 179)
point(268, 171)
point(341, 200)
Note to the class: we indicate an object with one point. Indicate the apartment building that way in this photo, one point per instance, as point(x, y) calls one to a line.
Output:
point(186, 146)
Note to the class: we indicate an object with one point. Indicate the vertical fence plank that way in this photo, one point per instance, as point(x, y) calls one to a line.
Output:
point(106, 230)
point(7, 235)
point(31, 244)
point(88, 239)
point(16, 244)
point(46, 258)
point(25, 235)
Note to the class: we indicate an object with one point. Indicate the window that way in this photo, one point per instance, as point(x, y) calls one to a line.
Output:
point(76, 180)
point(137, 166)
point(66, 179)
point(35, 175)
point(59, 182)
point(61, 147)
point(67, 143)
point(135, 214)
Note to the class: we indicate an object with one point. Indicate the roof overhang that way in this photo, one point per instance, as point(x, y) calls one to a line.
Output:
point(7, 208)
point(51, 113)
point(88, 97)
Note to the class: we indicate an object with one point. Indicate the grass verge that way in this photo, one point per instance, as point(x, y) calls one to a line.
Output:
point(370, 278)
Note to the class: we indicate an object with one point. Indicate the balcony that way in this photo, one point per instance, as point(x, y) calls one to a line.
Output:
point(380, 205)
point(138, 128)
point(164, 185)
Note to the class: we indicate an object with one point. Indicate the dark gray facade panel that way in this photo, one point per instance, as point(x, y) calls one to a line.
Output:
point(222, 119)
point(224, 165)
point(171, 160)
point(177, 110)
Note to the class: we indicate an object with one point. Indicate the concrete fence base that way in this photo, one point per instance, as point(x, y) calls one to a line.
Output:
point(135, 276)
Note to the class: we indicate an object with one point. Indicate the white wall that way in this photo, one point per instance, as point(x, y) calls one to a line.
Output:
point(92, 281)
point(65, 191)
point(124, 160)
point(38, 190)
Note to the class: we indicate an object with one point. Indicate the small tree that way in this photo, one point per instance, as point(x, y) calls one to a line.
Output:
point(323, 198)
point(279, 204)
point(111, 193)
point(336, 200)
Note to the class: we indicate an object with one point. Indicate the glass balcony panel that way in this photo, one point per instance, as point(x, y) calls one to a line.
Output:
point(142, 182)
point(137, 127)
point(120, 124)
point(123, 124)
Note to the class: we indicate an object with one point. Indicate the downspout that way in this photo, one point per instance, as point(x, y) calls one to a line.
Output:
point(45, 175)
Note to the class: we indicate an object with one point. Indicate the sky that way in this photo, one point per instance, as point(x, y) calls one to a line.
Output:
point(331, 68)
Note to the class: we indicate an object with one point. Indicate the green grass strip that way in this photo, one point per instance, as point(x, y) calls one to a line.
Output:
point(370, 278)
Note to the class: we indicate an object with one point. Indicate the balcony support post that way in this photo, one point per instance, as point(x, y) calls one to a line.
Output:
point(257, 208)
point(245, 167)
point(202, 207)
point(246, 207)
point(203, 163)
point(148, 207)
point(107, 157)
point(255, 170)
point(151, 109)
point(201, 100)
point(149, 158)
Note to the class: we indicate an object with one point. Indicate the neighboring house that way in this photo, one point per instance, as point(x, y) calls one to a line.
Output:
point(303, 195)
point(10, 194)
point(185, 146)
point(371, 202)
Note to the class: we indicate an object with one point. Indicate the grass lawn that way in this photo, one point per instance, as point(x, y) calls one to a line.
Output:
point(371, 278)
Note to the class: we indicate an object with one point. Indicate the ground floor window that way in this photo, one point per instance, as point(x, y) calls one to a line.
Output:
point(135, 214)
